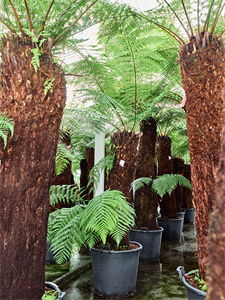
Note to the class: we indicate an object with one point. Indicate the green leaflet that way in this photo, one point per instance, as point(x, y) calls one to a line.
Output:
point(6, 127)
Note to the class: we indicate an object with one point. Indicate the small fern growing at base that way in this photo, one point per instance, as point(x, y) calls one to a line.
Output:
point(162, 184)
point(108, 214)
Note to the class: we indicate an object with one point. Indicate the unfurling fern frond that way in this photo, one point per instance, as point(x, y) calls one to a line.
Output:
point(107, 214)
point(162, 184)
point(64, 193)
point(64, 232)
point(6, 127)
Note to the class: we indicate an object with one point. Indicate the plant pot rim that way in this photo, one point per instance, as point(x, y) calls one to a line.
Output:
point(192, 208)
point(181, 272)
point(122, 251)
point(148, 230)
point(56, 288)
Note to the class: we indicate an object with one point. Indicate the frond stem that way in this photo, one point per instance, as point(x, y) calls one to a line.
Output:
point(17, 17)
point(207, 18)
point(186, 14)
point(6, 25)
point(68, 8)
point(178, 19)
point(112, 124)
point(65, 31)
point(135, 84)
point(198, 17)
point(28, 15)
point(167, 30)
point(217, 16)
point(46, 16)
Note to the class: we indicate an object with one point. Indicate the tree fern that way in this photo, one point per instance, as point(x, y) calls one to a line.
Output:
point(6, 127)
point(106, 214)
point(162, 184)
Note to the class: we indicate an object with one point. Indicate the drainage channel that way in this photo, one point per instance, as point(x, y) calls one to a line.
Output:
point(157, 280)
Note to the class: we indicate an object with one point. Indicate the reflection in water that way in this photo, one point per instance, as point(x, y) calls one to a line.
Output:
point(156, 280)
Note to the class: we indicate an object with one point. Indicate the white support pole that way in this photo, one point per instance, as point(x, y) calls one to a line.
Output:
point(99, 154)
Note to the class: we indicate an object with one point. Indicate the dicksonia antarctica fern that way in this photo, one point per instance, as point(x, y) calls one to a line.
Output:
point(106, 214)
point(162, 184)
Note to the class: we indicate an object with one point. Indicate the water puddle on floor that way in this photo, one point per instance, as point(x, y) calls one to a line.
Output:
point(157, 280)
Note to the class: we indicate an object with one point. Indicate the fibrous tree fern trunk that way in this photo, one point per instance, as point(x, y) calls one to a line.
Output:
point(187, 193)
point(216, 238)
point(146, 200)
point(122, 174)
point(168, 203)
point(202, 69)
point(178, 168)
point(27, 165)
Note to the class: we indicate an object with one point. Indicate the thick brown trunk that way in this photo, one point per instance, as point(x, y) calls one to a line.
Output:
point(178, 168)
point(202, 71)
point(168, 203)
point(187, 193)
point(90, 152)
point(122, 174)
point(146, 200)
point(216, 238)
point(27, 166)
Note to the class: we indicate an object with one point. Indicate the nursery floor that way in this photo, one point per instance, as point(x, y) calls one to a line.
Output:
point(155, 280)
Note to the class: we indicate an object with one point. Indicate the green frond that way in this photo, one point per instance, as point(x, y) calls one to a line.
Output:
point(168, 182)
point(6, 127)
point(105, 164)
point(107, 214)
point(140, 182)
point(64, 193)
point(64, 232)
point(162, 184)
point(63, 158)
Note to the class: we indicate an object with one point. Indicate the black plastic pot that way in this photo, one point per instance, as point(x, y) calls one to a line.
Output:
point(56, 288)
point(181, 215)
point(150, 241)
point(172, 228)
point(189, 217)
point(115, 272)
point(192, 293)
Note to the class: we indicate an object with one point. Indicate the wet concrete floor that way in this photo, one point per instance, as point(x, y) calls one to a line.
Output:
point(158, 280)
